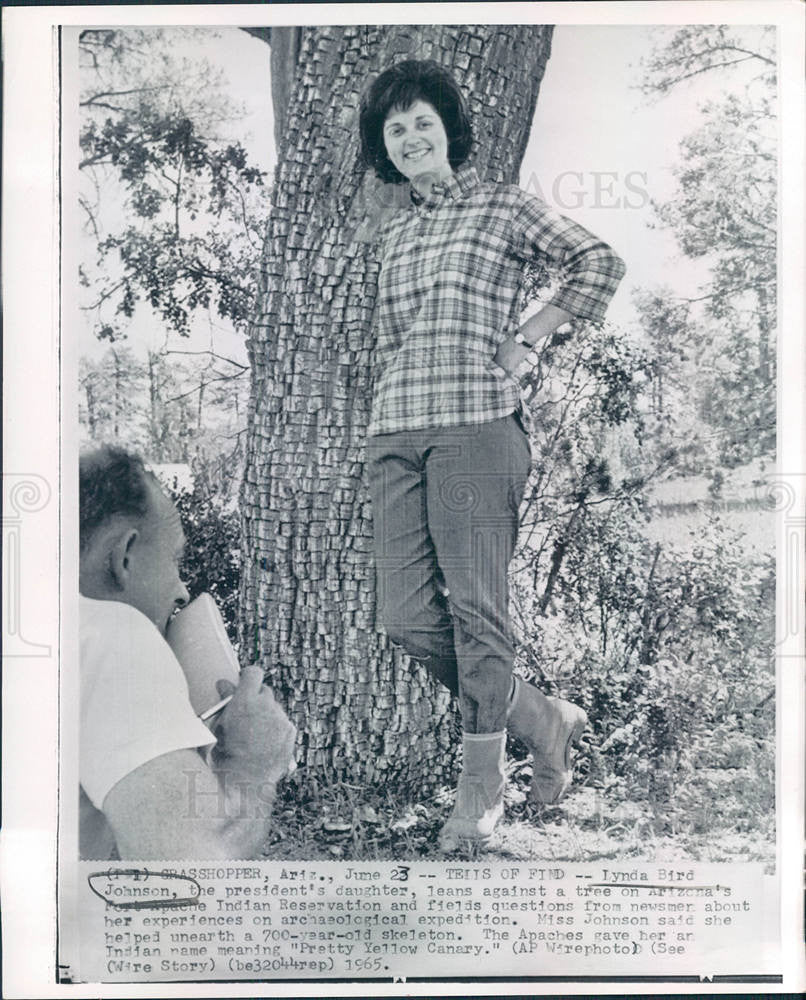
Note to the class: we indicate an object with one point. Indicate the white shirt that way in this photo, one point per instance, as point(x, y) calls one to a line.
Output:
point(134, 706)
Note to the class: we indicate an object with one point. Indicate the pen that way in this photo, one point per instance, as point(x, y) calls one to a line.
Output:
point(215, 708)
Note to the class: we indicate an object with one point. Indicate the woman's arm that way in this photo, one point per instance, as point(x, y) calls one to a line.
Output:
point(590, 269)
point(591, 272)
point(511, 353)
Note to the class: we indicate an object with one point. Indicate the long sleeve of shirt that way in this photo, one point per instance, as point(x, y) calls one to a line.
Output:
point(591, 270)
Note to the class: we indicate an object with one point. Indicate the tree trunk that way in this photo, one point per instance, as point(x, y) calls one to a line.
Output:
point(92, 418)
point(156, 408)
point(764, 334)
point(118, 405)
point(200, 406)
point(365, 712)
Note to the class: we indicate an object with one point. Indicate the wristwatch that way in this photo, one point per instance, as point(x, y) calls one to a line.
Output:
point(520, 339)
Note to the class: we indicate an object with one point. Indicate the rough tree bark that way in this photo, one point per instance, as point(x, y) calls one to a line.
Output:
point(365, 713)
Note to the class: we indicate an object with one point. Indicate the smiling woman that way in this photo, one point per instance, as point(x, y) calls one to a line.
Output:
point(401, 124)
point(448, 451)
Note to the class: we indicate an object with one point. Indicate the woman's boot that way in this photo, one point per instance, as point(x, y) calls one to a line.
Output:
point(479, 800)
point(549, 727)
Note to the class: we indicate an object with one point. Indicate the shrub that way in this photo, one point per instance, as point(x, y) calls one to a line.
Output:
point(212, 554)
point(670, 653)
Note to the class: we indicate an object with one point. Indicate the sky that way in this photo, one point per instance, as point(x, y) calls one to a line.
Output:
point(599, 152)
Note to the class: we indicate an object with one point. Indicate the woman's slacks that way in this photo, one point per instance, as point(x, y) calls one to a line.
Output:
point(445, 509)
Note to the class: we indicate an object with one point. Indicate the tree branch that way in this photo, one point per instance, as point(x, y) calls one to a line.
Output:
point(212, 354)
point(89, 101)
point(85, 205)
point(264, 34)
point(202, 386)
point(668, 84)
point(106, 295)
point(689, 57)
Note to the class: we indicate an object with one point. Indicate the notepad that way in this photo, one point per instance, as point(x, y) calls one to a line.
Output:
point(199, 640)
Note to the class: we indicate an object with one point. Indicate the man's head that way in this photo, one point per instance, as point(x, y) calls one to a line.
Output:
point(131, 538)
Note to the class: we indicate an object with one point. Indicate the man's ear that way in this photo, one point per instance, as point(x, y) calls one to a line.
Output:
point(120, 557)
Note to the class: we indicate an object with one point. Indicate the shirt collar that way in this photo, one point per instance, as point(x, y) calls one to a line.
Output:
point(457, 186)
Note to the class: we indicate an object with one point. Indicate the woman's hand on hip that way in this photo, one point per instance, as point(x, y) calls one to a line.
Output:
point(510, 355)
point(542, 324)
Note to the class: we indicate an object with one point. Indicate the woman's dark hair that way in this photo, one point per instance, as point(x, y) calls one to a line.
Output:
point(397, 88)
point(110, 481)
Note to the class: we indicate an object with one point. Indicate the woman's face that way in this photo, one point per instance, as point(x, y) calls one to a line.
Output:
point(416, 142)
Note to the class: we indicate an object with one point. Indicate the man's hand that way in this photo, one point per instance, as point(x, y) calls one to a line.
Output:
point(176, 806)
point(255, 736)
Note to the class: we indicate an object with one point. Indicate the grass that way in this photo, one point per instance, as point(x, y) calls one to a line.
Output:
point(683, 507)
point(343, 822)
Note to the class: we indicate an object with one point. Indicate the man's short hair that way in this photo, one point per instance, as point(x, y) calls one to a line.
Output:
point(397, 88)
point(111, 481)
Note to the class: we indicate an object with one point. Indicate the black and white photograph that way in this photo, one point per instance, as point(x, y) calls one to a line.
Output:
point(327, 369)
point(423, 496)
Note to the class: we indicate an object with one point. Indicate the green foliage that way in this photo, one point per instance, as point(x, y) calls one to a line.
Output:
point(685, 53)
point(212, 553)
point(171, 410)
point(724, 213)
point(668, 648)
point(671, 655)
point(193, 201)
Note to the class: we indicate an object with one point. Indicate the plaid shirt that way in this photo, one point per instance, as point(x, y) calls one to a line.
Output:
point(451, 290)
